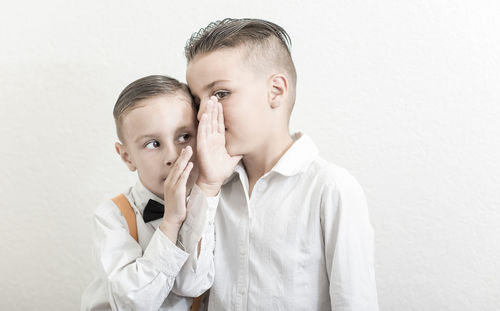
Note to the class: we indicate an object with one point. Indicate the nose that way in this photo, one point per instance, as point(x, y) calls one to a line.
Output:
point(171, 154)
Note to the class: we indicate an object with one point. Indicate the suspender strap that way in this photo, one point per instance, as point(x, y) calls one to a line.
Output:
point(197, 302)
point(129, 214)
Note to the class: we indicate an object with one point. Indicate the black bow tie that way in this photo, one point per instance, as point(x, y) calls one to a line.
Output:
point(154, 210)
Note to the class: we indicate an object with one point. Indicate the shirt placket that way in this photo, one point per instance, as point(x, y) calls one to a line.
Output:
point(243, 246)
point(242, 287)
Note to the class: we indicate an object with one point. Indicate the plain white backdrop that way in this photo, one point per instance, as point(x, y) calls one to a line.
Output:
point(404, 94)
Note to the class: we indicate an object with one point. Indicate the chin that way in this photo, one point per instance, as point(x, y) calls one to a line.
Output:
point(232, 147)
point(233, 150)
point(158, 193)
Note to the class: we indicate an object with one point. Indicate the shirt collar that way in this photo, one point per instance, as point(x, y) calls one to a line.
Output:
point(141, 196)
point(298, 157)
point(295, 160)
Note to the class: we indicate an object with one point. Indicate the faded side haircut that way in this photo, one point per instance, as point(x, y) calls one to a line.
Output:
point(268, 45)
point(144, 88)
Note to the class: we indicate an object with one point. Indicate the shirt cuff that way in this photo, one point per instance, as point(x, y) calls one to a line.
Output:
point(165, 255)
point(200, 214)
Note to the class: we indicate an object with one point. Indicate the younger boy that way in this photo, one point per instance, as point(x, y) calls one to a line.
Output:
point(293, 231)
point(156, 125)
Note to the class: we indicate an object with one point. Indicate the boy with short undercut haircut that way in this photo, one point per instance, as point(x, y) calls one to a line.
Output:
point(135, 254)
point(293, 231)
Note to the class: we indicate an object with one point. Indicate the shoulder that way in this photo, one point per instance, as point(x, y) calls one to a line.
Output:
point(108, 213)
point(107, 209)
point(332, 177)
point(339, 192)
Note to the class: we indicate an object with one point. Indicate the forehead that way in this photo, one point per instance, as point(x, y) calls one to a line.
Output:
point(225, 64)
point(160, 114)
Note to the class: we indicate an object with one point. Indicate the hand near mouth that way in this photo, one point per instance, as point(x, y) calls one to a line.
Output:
point(174, 189)
point(214, 161)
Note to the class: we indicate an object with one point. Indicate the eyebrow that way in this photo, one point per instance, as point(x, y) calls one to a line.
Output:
point(212, 84)
point(185, 128)
point(153, 135)
point(144, 136)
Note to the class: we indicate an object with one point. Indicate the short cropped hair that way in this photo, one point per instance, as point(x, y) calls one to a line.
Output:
point(144, 88)
point(268, 44)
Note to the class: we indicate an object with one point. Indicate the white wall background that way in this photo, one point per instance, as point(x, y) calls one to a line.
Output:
point(404, 94)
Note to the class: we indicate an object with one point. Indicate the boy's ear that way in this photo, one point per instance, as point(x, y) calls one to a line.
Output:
point(123, 153)
point(278, 90)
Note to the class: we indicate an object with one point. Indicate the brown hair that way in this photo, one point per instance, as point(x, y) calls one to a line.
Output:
point(264, 39)
point(144, 88)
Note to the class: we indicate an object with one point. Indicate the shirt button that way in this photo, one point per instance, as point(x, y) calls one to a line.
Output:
point(243, 252)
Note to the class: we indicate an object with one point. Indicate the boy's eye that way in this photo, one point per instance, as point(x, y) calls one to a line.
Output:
point(184, 138)
point(152, 144)
point(221, 94)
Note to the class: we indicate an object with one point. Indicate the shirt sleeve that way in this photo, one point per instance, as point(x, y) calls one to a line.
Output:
point(134, 281)
point(197, 274)
point(349, 248)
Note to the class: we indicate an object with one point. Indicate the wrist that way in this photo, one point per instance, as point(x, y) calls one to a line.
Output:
point(172, 222)
point(171, 230)
point(210, 189)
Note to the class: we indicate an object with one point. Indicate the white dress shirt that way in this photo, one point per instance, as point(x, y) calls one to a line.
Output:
point(140, 276)
point(302, 241)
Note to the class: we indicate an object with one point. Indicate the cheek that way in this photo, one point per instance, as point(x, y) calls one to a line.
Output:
point(193, 158)
point(192, 142)
point(148, 162)
point(231, 113)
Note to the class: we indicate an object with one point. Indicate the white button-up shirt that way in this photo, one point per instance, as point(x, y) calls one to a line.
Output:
point(302, 241)
point(140, 276)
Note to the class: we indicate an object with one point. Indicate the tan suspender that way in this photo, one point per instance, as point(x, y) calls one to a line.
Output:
point(197, 303)
point(129, 214)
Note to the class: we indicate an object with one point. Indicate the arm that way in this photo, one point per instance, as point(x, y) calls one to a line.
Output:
point(197, 234)
point(137, 281)
point(197, 237)
point(349, 248)
point(134, 281)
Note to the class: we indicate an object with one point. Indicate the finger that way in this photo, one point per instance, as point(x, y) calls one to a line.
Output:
point(180, 164)
point(209, 117)
point(221, 127)
point(214, 111)
point(185, 175)
point(202, 109)
point(202, 132)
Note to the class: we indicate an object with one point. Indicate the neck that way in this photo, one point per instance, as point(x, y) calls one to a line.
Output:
point(263, 160)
